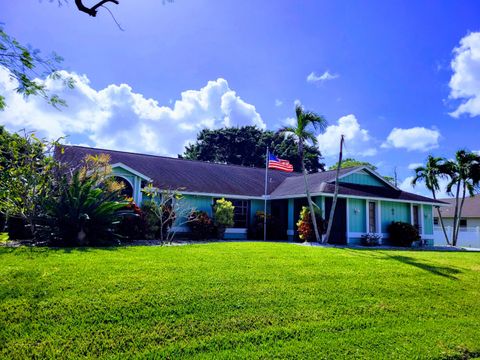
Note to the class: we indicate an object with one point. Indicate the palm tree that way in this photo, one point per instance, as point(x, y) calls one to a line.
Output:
point(464, 173)
point(435, 169)
point(307, 124)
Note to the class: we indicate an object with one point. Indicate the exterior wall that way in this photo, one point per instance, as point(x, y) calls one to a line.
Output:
point(362, 178)
point(471, 222)
point(394, 211)
point(357, 220)
point(258, 205)
point(427, 219)
point(291, 220)
point(134, 180)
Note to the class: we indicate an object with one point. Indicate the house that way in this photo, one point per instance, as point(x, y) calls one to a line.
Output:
point(366, 203)
point(470, 213)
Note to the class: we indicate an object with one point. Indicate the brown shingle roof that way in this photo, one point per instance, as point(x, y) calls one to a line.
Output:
point(191, 176)
point(211, 178)
point(471, 207)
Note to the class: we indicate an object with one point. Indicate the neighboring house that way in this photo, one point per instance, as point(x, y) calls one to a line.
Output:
point(470, 212)
point(367, 202)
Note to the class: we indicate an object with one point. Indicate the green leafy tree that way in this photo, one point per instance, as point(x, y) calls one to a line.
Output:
point(349, 162)
point(247, 146)
point(25, 65)
point(27, 175)
point(304, 131)
point(434, 170)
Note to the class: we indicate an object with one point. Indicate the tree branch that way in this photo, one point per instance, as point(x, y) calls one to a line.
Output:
point(93, 10)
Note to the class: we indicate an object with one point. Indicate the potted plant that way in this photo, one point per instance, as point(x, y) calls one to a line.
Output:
point(223, 215)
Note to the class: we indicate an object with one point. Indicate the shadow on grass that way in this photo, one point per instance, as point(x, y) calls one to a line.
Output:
point(445, 271)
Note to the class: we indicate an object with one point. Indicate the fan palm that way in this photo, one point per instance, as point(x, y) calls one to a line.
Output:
point(307, 125)
point(464, 173)
point(435, 169)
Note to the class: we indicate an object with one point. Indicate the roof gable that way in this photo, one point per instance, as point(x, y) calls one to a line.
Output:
point(365, 176)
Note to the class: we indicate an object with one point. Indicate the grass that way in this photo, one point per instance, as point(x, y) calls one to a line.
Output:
point(238, 300)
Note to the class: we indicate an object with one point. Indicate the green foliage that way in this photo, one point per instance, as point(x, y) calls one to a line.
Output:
point(201, 225)
point(25, 65)
point(402, 234)
point(152, 223)
point(223, 213)
point(247, 146)
point(27, 174)
point(238, 301)
point(85, 211)
point(305, 226)
point(349, 162)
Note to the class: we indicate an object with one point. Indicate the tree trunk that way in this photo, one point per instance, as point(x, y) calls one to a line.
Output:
point(335, 194)
point(455, 216)
point(441, 219)
point(460, 212)
point(307, 191)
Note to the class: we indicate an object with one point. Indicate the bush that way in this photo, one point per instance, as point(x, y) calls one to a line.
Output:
point(132, 225)
point(3, 221)
point(275, 230)
point(18, 228)
point(201, 225)
point(151, 222)
point(223, 214)
point(305, 225)
point(402, 234)
point(371, 239)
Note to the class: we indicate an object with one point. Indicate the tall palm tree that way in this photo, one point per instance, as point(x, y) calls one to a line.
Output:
point(307, 125)
point(435, 169)
point(464, 173)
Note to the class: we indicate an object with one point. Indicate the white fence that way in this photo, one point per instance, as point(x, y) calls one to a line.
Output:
point(467, 236)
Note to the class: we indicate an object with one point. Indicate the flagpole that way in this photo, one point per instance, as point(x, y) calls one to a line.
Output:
point(265, 205)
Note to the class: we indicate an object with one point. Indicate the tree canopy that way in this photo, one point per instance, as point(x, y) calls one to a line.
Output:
point(247, 146)
point(26, 65)
point(348, 162)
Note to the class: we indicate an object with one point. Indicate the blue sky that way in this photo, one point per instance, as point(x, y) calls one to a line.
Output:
point(383, 72)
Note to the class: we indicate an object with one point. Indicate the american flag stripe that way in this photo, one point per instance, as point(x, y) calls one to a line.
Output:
point(279, 164)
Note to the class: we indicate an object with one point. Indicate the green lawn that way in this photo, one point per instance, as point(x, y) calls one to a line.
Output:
point(238, 300)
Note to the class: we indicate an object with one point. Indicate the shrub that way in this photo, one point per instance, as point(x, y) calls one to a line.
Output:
point(223, 215)
point(371, 239)
point(275, 230)
point(18, 228)
point(151, 222)
point(132, 225)
point(402, 234)
point(305, 226)
point(201, 225)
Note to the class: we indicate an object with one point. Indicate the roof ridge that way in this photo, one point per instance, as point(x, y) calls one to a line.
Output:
point(173, 158)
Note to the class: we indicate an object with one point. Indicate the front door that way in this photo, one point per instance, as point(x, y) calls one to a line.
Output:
point(339, 227)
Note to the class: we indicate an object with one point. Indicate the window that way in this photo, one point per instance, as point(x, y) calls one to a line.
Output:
point(416, 217)
point(240, 213)
point(372, 217)
point(463, 222)
point(435, 221)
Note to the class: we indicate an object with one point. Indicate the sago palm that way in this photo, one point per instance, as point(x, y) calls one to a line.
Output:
point(307, 125)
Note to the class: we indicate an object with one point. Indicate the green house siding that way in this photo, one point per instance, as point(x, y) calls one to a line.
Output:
point(318, 200)
point(362, 179)
point(357, 217)
point(258, 205)
point(394, 211)
point(428, 219)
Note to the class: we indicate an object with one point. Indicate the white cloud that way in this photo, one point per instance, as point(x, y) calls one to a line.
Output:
point(465, 81)
point(416, 138)
point(118, 118)
point(278, 102)
point(420, 189)
point(358, 141)
point(413, 166)
point(314, 78)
